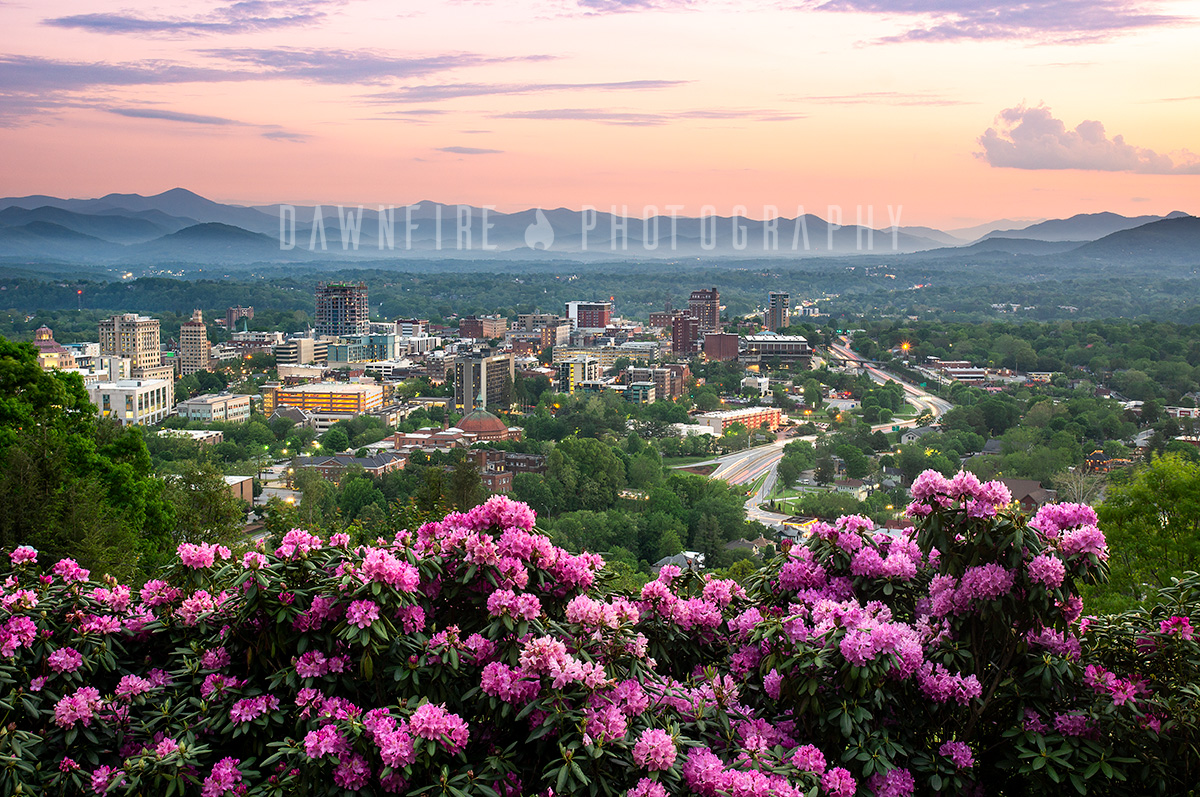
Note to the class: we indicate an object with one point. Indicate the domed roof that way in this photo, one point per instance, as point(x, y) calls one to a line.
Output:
point(481, 422)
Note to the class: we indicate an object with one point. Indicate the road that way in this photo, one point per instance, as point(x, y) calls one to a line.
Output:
point(919, 398)
point(743, 467)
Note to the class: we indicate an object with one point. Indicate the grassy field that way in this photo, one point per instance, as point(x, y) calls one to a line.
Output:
point(675, 462)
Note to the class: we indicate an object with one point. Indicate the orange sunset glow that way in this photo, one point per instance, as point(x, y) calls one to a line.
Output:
point(958, 112)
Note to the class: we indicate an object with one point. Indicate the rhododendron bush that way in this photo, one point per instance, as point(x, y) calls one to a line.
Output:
point(472, 657)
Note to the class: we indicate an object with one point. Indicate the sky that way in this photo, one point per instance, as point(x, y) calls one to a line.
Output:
point(948, 112)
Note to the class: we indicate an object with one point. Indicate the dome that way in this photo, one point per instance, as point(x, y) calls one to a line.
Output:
point(483, 424)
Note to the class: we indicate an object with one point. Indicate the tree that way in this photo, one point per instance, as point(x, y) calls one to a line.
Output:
point(466, 486)
point(824, 470)
point(71, 485)
point(356, 494)
point(205, 509)
point(336, 440)
point(1153, 526)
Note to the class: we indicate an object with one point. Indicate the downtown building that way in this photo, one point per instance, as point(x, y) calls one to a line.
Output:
point(589, 316)
point(778, 315)
point(195, 352)
point(342, 309)
point(704, 305)
point(483, 382)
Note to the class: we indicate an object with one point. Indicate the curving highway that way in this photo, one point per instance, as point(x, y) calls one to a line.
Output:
point(744, 467)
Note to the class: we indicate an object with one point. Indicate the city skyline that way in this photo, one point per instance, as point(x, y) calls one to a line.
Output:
point(961, 113)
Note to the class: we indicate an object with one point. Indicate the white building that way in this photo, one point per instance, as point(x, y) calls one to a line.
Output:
point(228, 407)
point(134, 401)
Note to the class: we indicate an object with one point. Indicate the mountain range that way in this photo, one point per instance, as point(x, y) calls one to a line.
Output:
point(179, 226)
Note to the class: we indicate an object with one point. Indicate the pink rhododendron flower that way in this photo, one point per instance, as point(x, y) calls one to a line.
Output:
point(362, 613)
point(224, 777)
point(654, 750)
point(23, 555)
point(959, 753)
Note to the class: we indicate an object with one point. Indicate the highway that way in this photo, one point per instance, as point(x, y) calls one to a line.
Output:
point(743, 467)
point(913, 394)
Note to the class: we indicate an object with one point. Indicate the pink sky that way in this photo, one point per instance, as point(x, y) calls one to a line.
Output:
point(1092, 104)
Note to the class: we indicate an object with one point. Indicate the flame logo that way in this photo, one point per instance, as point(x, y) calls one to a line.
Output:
point(540, 232)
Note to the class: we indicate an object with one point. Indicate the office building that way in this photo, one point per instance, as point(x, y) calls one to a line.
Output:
point(194, 349)
point(575, 370)
point(685, 335)
point(704, 305)
point(483, 382)
point(342, 309)
point(134, 336)
point(594, 316)
point(302, 351)
point(132, 402)
point(230, 408)
point(412, 327)
point(777, 316)
point(787, 350)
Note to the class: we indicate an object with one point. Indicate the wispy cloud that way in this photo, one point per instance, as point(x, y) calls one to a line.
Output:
point(883, 98)
point(470, 150)
point(284, 135)
point(354, 66)
point(1031, 138)
point(449, 91)
point(271, 131)
point(247, 16)
point(1062, 21)
point(648, 118)
point(626, 6)
point(32, 85)
point(173, 116)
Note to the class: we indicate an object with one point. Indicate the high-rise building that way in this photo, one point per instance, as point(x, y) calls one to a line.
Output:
point(234, 314)
point(685, 335)
point(704, 305)
point(589, 315)
point(481, 382)
point(575, 370)
point(137, 337)
point(342, 309)
point(194, 349)
point(778, 316)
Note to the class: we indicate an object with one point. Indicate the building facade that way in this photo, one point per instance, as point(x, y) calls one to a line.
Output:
point(230, 408)
point(235, 314)
point(704, 305)
point(482, 327)
point(132, 402)
point(685, 335)
point(751, 417)
point(721, 346)
point(51, 353)
point(342, 309)
point(481, 382)
point(778, 315)
point(788, 350)
point(194, 349)
point(589, 315)
point(349, 398)
point(134, 336)
point(575, 370)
